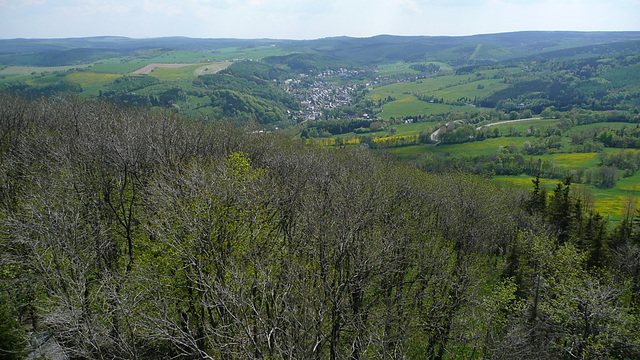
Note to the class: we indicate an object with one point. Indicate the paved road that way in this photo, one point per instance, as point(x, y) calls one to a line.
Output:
point(510, 121)
point(434, 135)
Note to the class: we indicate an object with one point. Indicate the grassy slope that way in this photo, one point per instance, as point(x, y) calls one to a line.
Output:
point(610, 202)
point(97, 76)
point(401, 130)
point(523, 126)
point(449, 87)
point(92, 82)
point(411, 106)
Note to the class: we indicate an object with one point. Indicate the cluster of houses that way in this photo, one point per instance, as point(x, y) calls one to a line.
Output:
point(318, 95)
point(342, 72)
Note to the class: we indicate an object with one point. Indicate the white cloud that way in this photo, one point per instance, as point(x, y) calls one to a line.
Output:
point(308, 18)
point(411, 5)
point(21, 4)
point(163, 7)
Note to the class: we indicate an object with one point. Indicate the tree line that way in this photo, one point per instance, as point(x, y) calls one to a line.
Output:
point(134, 234)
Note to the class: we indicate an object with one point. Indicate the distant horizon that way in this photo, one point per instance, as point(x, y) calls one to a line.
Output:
point(320, 38)
point(307, 19)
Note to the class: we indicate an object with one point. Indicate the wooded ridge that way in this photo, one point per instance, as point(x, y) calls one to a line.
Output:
point(141, 234)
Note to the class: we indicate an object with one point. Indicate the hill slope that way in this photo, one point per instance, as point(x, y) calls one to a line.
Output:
point(458, 50)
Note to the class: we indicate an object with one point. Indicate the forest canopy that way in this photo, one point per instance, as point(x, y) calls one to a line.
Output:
point(140, 234)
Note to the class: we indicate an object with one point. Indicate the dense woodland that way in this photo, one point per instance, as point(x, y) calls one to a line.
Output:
point(151, 217)
point(136, 234)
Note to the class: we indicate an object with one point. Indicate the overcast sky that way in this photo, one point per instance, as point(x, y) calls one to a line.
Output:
point(307, 19)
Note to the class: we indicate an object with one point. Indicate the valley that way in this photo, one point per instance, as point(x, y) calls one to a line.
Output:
point(388, 197)
point(340, 97)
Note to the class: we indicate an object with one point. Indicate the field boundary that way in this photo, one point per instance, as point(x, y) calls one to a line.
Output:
point(512, 121)
point(147, 69)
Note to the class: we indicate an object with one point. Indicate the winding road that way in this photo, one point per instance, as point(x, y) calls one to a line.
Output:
point(510, 121)
point(434, 135)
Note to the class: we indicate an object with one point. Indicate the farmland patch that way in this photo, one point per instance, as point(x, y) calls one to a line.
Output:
point(28, 70)
point(147, 69)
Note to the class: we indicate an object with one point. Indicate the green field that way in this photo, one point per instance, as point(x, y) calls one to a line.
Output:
point(470, 90)
point(474, 148)
point(402, 67)
point(396, 68)
point(401, 130)
point(44, 79)
point(116, 68)
point(180, 57)
point(91, 82)
point(522, 127)
point(610, 125)
point(30, 70)
point(399, 89)
point(175, 74)
point(572, 160)
point(609, 202)
point(414, 128)
point(255, 53)
point(451, 87)
point(411, 106)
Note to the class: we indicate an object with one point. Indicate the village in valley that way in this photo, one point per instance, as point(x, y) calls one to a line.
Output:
point(315, 93)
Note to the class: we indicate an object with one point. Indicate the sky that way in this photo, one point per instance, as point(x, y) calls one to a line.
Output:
point(308, 19)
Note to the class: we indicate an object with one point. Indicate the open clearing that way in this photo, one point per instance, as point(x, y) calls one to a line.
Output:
point(147, 69)
point(210, 68)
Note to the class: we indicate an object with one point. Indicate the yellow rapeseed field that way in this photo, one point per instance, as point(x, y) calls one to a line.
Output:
point(574, 160)
point(90, 79)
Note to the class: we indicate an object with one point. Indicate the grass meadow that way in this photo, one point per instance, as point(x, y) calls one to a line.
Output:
point(175, 74)
point(415, 128)
point(610, 125)
point(405, 68)
point(450, 88)
point(401, 130)
point(572, 160)
point(91, 82)
point(255, 53)
point(610, 203)
point(411, 106)
point(116, 68)
point(523, 126)
point(469, 90)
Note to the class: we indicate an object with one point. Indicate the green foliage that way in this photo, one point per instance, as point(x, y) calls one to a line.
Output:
point(35, 92)
point(245, 91)
point(310, 62)
point(216, 242)
point(237, 105)
point(253, 86)
point(115, 68)
point(338, 126)
point(589, 83)
point(144, 235)
point(12, 340)
point(426, 68)
point(254, 71)
point(128, 83)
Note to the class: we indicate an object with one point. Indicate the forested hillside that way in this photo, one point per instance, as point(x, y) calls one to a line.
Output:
point(130, 233)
